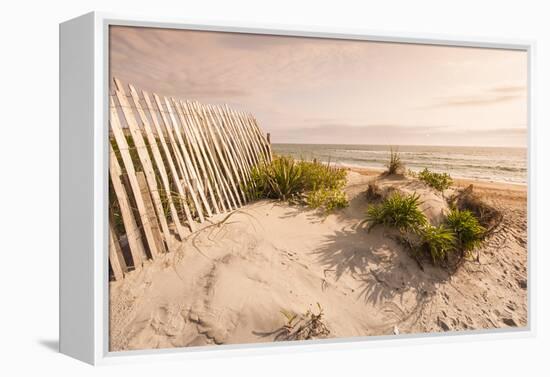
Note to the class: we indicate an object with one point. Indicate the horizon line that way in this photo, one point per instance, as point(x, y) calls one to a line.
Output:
point(412, 145)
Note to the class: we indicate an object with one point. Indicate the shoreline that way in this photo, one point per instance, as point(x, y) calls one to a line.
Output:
point(510, 195)
point(458, 181)
point(370, 170)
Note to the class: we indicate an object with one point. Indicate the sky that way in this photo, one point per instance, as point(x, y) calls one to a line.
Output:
point(328, 91)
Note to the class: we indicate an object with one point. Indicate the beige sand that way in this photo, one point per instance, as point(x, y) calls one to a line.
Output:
point(228, 284)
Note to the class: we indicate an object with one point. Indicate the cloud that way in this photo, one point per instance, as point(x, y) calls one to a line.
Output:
point(395, 134)
point(251, 42)
point(501, 132)
point(202, 64)
point(329, 91)
point(490, 96)
point(475, 101)
point(353, 134)
point(510, 89)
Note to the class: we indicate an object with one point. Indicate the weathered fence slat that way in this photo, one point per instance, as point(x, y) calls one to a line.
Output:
point(228, 151)
point(116, 259)
point(202, 125)
point(146, 163)
point(150, 210)
point(173, 163)
point(194, 176)
point(254, 160)
point(171, 166)
point(131, 174)
point(231, 150)
point(130, 225)
point(194, 151)
point(238, 142)
point(180, 163)
point(190, 174)
point(194, 127)
point(209, 126)
point(165, 183)
point(266, 147)
point(250, 136)
point(245, 146)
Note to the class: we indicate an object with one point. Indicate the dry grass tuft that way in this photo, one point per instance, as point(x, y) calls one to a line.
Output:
point(467, 200)
point(374, 193)
point(303, 327)
point(395, 165)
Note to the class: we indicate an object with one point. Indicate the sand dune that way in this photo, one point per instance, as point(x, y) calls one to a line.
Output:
point(230, 283)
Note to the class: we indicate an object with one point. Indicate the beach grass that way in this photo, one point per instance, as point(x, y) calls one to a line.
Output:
point(467, 200)
point(329, 199)
point(281, 179)
point(460, 232)
point(395, 165)
point(398, 211)
point(438, 181)
point(469, 233)
point(312, 183)
point(439, 241)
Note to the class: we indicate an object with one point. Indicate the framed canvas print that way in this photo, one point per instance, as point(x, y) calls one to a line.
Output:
point(228, 189)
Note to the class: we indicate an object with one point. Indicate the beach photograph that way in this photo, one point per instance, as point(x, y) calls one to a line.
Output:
point(268, 188)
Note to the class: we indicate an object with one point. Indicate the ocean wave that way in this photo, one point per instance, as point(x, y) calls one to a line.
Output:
point(495, 164)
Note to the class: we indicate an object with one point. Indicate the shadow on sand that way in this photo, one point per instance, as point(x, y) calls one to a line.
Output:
point(386, 274)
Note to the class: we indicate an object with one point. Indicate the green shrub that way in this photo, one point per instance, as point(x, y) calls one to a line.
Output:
point(439, 181)
point(328, 199)
point(281, 179)
point(469, 233)
point(316, 184)
point(467, 200)
point(439, 241)
point(412, 173)
point(317, 175)
point(395, 165)
point(398, 211)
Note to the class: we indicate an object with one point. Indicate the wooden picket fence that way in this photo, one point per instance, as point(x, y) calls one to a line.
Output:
point(173, 164)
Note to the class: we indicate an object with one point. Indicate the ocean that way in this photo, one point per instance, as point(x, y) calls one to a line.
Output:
point(493, 164)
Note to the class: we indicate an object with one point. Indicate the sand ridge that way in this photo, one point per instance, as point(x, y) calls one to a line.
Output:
point(230, 284)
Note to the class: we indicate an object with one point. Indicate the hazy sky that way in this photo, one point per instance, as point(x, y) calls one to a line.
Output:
point(308, 90)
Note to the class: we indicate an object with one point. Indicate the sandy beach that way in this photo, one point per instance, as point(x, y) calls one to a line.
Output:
point(232, 281)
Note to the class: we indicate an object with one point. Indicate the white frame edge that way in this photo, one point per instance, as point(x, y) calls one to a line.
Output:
point(84, 85)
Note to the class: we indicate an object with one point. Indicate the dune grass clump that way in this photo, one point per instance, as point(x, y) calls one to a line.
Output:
point(280, 179)
point(469, 233)
point(398, 211)
point(395, 165)
point(439, 181)
point(324, 185)
point(449, 244)
point(373, 193)
point(317, 175)
point(445, 244)
point(412, 173)
point(467, 200)
point(312, 183)
point(328, 199)
point(439, 241)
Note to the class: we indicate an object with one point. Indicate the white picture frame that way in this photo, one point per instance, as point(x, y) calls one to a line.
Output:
point(84, 187)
